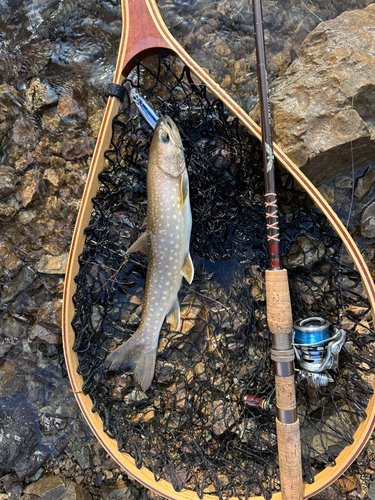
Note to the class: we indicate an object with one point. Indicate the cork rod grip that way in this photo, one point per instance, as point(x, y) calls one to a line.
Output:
point(279, 311)
point(289, 446)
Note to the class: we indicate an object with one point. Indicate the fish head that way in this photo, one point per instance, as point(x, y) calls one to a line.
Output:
point(166, 147)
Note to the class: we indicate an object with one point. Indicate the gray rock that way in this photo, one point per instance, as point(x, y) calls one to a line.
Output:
point(56, 488)
point(47, 326)
point(17, 285)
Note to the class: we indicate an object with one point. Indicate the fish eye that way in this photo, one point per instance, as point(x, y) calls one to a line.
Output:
point(165, 137)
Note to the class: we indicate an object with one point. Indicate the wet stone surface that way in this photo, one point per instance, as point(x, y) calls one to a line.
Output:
point(53, 72)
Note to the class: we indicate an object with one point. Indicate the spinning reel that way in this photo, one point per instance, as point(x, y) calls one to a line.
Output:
point(316, 349)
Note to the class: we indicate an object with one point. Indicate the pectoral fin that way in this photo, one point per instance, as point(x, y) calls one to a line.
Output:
point(184, 188)
point(188, 269)
point(173, 317)
point(141, 245)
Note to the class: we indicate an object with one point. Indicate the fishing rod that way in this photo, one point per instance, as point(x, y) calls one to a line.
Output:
point(279, 312)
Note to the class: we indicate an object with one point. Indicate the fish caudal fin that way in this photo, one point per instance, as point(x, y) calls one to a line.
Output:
point(140, 358)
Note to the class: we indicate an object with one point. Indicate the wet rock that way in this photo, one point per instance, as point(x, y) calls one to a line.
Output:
point(330, 493)
point(82, 456)
point(367, 221)
point(9, 209)
point(363, 184)
point(328, 194)
point(50, 120)
point(306, 251)
point(119, 491)
point(17, 285)
point(56, 208)
point(222, 415)
point(5, 346)
point(348, 483)
point(47, 327)
point(13, 486)
point(44, 150)
point(50, 264)
point(37, 56)
point(24, 132)
point(53, 176)
point(11, 381)
point(30, 187)
point(76, 148)
point(55, 488)
point(95, 121)
point(19, 442)
point(7, 180)
point(50, 425)
point(314, 97)
point(40, 93)
point(12, 328)
point(27, 216)
point(371, 490)
point(10, 264)
point(69, 109)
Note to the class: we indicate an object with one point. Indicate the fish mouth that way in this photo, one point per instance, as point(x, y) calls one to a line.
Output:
point(174, 133)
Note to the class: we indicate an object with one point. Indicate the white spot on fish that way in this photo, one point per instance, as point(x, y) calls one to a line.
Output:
point(177, 227)
point(168, 283)
point(162, 240)
point(174, 215)
point(160, 286)
point(170, 258)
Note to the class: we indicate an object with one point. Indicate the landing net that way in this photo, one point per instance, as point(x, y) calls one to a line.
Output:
point(192, 426)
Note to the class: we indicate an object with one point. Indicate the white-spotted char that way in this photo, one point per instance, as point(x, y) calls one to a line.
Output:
point(166, 243)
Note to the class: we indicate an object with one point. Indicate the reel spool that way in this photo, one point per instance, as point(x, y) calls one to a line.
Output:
point(316, 349)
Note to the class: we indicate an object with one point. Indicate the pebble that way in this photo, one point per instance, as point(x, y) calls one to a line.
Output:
point(50, 264)
point(30, 187)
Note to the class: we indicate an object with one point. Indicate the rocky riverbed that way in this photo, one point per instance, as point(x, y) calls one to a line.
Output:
point(55, 59)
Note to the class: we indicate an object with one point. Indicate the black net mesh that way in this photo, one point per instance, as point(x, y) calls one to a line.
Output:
point(192, 426)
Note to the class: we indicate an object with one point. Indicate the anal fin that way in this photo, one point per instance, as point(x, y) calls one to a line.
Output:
point(187, 270)
point(141, 245)
point(173, 316)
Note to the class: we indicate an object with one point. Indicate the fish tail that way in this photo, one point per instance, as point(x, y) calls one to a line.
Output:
point(136, 355)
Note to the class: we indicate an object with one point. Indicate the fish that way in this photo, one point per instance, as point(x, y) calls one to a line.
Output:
point(166, 243)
